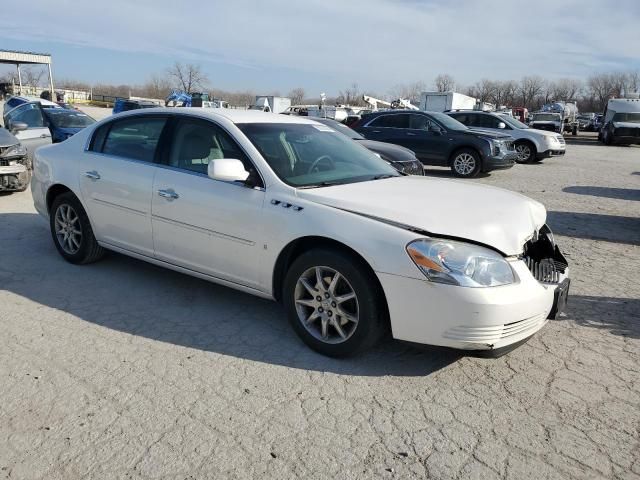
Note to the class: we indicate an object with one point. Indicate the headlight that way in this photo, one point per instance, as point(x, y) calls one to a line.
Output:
point(18, 150)
point(458, 263)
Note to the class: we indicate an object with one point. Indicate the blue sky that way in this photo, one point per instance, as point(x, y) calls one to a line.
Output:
point(325, 45)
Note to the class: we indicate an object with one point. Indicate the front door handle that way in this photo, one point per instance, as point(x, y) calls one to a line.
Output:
point(93, 175)
point(169, 193)
point(44, 135)
point(411, 134)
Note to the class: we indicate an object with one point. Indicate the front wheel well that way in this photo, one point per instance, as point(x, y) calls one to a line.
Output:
point(53, 192)
point(528, 142)
point(297, 247)
point(459, 149)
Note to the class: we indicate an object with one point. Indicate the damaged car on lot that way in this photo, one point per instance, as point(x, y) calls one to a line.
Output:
point(15, 170)
point(287, 209)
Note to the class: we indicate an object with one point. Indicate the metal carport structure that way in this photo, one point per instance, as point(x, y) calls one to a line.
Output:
point(12, 57)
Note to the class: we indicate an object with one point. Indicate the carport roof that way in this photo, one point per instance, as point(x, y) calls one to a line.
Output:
point(18, 58)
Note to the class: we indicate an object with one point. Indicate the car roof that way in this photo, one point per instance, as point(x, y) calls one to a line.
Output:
point(29, 99)
point(231, 114)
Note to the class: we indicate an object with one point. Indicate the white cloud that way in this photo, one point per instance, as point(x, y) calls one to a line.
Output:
point(378, 42)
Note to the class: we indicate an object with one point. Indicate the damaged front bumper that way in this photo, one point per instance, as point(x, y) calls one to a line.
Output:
point(13, 177)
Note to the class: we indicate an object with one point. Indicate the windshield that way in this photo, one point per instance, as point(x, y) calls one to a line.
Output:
point(340, 127)
point(627, 117)
point(66, 119)
point(306, 155)
point(546, 117)
point(447, 121)
point(513, 122)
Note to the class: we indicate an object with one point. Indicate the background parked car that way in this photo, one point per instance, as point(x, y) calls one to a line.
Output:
point(63, 122)
point(400, 158)
point(124, 105)
point(28, 123)
point(438, 139)
point(18, 100)
point(531, 145)
point(15, 172)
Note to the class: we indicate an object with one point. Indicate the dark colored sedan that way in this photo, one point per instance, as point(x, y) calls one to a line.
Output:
point(64, 122)
point(400, 158)
point(438, 139)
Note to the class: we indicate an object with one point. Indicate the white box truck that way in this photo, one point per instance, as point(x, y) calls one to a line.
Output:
point(443, 101)
point(621, 122)
point(269, 103)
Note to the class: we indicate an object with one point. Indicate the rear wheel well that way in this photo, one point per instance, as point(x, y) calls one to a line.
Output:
point(53, 192)
point(294, 249)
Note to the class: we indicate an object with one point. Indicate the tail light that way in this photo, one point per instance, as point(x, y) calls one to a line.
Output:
point(355, 123)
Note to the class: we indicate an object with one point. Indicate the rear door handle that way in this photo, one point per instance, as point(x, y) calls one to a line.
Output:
point(44, 135)
point(169, 193)
point(410, 134)
point(93, 175)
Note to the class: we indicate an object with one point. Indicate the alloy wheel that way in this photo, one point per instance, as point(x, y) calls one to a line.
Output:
point(326, 304)
point(523, 152)
point(464, 164)
point(68, 229)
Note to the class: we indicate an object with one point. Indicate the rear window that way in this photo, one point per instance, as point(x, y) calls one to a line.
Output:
point(398, 120)
point(134, 138)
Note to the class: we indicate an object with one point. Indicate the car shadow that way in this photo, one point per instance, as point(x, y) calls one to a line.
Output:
point(608, 228)
point(607, 192)
point(619, 316)
point(140, 299)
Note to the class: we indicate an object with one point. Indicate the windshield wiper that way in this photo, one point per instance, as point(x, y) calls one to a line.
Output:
point(384, 175)
point(321, 184)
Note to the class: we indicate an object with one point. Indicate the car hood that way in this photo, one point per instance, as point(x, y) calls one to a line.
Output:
point(545, 133)
point(487, 133)
point(393, 152)
point(488, 215)
point(7, 138)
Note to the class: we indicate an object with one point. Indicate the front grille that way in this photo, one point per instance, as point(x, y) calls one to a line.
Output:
point(560, 139)
point(509, 145)
point(4, 162)
point(550, 128)
point(543, 257)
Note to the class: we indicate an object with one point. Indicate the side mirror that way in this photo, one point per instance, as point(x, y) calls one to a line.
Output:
point(502, 125)
point(435, 129)
point(227, 170)
point(16, 127)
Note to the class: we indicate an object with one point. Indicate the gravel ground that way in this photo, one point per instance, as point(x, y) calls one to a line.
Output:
point(124, 370)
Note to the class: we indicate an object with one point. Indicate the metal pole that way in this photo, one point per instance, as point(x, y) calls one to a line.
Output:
point(53, 97)
point(19, 78)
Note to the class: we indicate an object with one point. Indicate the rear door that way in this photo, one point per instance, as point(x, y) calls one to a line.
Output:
point(387, 128)
point(37, 132)
point(116, 180)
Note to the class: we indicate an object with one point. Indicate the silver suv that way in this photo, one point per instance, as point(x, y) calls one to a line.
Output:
point(531, 145)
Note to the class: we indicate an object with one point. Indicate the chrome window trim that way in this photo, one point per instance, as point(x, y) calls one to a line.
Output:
point(402, 113)
point(169, 167)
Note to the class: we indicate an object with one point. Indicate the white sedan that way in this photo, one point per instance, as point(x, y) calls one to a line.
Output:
point(288, 209)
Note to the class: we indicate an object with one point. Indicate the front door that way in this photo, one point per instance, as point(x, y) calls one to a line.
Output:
point(209, 226)
point(116, 180)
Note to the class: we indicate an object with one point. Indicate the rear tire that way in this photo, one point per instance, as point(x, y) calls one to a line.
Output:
point(466, 163)
point(526, 152)
point(71, 231)
point(321, 309)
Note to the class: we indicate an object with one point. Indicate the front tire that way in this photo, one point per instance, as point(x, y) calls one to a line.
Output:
point(334, 303)
point(71, 231)
point(466, 163)
point(526, 152)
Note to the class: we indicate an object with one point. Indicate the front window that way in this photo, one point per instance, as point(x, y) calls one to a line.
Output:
point(627, 117)
point(307, 155)
point(447, 121)
point(546, 117)
point(29, 113)
point(513, 122)
point(65, 119)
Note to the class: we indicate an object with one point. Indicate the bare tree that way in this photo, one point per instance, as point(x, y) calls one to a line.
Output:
point(350, 96)
point(297, 95)
point(444, 83)
point(529, 89)
point(187, 77)
point(410, 91)
point(484, 90)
